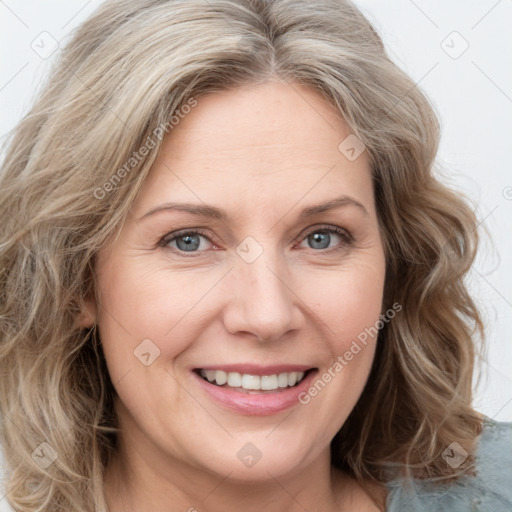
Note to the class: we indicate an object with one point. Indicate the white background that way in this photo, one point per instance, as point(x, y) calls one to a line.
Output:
point(471, 91)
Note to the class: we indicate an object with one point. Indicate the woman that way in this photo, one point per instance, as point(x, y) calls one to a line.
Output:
point(230, 279)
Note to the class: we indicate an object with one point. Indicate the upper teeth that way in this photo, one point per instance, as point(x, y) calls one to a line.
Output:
point(246, 381)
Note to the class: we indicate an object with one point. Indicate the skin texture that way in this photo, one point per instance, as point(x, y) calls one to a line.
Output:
point(262, 153)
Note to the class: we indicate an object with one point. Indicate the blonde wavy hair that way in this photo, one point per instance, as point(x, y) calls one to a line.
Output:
point(127, 70)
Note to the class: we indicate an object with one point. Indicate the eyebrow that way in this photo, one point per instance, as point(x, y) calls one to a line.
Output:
point(212, 212)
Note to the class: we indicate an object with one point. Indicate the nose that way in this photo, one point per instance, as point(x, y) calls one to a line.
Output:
point(262, 300)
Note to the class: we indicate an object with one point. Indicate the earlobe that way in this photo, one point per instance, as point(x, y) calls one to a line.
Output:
point(88, 313)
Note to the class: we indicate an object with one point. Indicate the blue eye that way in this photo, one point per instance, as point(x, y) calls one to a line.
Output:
point(319, 240)
point(190, 241)
point(322, 238)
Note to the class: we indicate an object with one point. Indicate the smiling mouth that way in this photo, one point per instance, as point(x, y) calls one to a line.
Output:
point(248, 383)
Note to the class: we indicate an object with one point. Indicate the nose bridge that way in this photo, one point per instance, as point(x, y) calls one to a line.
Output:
point(262, 302)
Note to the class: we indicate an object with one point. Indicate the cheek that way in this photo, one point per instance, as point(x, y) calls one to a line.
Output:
point(140, 302)
point(348, 300)
point(349, 306)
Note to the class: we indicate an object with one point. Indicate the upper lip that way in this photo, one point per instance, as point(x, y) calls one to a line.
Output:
point(255, 369)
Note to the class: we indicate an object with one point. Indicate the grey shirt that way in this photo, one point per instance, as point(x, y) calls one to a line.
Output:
point(490, 490)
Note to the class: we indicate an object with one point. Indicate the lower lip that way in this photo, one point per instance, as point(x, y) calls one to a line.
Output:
point(256, 404)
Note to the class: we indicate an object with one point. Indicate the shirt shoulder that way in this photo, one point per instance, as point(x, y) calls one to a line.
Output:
point(490, 490)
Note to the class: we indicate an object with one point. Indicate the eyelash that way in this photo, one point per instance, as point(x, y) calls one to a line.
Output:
point(347, 239)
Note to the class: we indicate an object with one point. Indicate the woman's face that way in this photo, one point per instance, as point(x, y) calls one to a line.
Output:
point(252, 254)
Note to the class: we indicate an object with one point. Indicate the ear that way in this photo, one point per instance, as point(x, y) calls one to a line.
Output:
point(88, 312)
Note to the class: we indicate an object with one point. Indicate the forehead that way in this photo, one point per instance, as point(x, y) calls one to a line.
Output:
point(273, 141)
